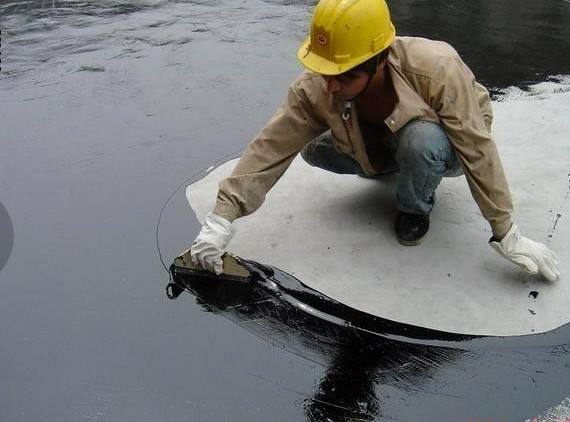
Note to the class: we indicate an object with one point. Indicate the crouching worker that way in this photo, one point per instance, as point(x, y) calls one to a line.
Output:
point(371, 103)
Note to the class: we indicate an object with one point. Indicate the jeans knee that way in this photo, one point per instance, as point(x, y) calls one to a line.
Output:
point(307, 152)
point(321, 152)
point(314, 148)
point(423, 141)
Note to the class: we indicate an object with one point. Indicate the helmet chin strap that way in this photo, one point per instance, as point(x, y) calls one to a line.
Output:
point(348, 103)
point(364, 89)
point(370, 72)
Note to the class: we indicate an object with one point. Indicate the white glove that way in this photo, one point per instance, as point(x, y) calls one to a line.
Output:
point(211, 243)
point(531, 256)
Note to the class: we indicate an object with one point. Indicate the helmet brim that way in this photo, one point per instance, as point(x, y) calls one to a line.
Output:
point(323, 66)
point(319, 64)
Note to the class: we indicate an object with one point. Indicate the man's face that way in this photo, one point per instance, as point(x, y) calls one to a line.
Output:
point(347, 85)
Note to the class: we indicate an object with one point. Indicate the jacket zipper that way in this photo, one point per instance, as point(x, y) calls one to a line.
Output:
point(347, 122)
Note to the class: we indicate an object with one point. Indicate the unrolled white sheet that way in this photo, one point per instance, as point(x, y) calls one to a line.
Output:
point(335, 233)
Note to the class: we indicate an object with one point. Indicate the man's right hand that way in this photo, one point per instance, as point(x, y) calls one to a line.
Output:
point(211, 243)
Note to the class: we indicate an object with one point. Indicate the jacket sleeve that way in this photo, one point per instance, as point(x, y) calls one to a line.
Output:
point(458, 100)
point(266, 158)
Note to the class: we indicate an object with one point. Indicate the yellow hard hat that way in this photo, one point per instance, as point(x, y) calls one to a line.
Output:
point(346, 33)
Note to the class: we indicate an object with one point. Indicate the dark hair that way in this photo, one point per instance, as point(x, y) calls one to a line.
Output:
point(369, 66)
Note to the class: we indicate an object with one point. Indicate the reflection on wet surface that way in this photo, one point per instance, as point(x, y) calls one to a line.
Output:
point(356, 361)
point(106, 106)
point(360, 364)
point(505, 42)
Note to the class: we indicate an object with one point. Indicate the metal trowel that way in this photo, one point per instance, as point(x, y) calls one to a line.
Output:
point(233, 270)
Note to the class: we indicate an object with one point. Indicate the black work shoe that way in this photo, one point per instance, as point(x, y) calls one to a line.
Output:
point(411, 228)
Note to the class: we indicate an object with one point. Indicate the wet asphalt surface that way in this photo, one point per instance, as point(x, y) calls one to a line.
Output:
point(106, 107)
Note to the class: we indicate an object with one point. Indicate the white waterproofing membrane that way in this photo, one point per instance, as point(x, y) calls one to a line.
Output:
point(335, 232)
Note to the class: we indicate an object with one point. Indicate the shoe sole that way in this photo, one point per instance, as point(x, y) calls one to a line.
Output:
point(411, 242)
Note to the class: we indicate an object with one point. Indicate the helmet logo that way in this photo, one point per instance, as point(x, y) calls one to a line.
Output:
point(322, 39)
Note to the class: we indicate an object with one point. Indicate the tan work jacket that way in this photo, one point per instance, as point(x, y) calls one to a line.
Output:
point(431, 83)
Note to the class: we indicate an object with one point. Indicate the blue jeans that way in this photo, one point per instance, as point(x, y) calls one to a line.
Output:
point(422, 155)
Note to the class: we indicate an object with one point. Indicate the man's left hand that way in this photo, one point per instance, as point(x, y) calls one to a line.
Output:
point(533, 257)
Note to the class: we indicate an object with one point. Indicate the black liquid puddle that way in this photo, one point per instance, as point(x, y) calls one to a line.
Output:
point(364, 354)
point(299, 302)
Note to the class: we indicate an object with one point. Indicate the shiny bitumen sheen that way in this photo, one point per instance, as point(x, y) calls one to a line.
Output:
point(106, 107)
